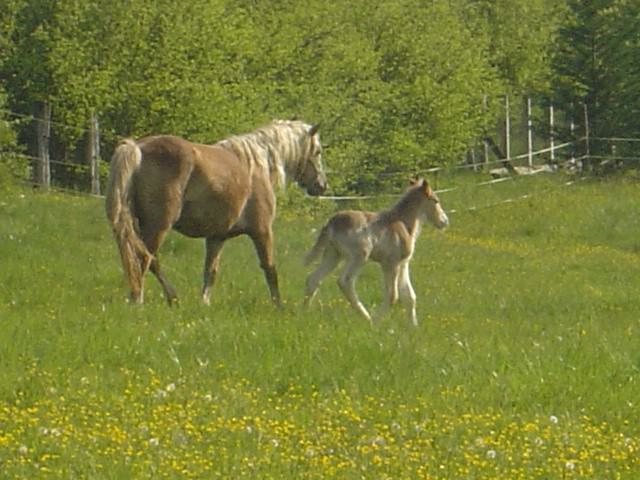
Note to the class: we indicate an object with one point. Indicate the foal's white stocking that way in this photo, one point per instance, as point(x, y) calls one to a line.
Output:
point(407, 294)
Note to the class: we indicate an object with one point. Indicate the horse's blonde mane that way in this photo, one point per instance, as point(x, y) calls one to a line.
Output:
point(279, 148)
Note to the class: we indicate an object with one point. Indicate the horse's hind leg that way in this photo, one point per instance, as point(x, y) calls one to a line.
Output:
point(211, 265)
point(330, 260)
point(153, 238)
point(391, 272)
point(347, 282)
point(407, 294)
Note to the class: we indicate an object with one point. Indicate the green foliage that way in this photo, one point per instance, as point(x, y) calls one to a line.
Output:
point(521, 36)
point(397, 85)
point(12, 167)
point(525, 364)
point(597, 64)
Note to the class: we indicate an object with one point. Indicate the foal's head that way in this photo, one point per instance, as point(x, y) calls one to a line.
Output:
point(430, 206)
point(312, 176)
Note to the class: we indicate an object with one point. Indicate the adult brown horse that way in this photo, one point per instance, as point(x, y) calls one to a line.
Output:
point(214, 192)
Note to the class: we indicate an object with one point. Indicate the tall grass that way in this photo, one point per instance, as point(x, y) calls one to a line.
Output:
point(526, 363)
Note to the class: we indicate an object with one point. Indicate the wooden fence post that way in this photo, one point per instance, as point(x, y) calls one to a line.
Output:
point(529, 134)
point(42, 170)
point(552, 136)
point(572, 136)
point(586, 161)
point(94, 154)
point(485, 144)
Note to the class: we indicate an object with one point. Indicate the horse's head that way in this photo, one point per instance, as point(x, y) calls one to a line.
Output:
point(432, 207)
point(312, 176)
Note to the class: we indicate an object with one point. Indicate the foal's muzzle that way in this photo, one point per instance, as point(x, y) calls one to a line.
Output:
point(443, 221)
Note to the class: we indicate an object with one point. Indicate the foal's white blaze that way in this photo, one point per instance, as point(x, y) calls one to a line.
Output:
point(443, 219)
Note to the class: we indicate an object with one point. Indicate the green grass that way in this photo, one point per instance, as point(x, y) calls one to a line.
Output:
point(526, 363)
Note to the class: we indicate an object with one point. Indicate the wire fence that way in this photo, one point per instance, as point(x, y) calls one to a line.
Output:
point(87, 176)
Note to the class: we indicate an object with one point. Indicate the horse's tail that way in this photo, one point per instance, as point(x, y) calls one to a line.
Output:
point(319, 247)
point(120, 212)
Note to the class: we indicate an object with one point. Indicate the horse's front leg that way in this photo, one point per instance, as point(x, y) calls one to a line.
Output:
point(211, 265)
point(263, 243)
point(407, 294)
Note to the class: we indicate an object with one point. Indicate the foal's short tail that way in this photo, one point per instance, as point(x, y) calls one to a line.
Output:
point(319, 247)
point(119, 206)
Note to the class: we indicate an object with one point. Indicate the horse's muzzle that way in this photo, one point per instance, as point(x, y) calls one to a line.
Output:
point(317, 188)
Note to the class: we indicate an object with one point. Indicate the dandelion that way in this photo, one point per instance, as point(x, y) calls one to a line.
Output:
point(171, 387)
point(570, 466)
point(154, 442)
point(553, 419)
point(23, 450)
point(379, 441)
point(491, 454)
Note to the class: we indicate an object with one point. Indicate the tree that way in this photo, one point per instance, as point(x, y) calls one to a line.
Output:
point(598, 64)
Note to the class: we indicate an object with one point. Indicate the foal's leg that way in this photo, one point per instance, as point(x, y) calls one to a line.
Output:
point(391, 272)
point(347, 282)
point(211, 265)
point(407, 294)
point(153, 239)
point(263, 243)
point(330, 260)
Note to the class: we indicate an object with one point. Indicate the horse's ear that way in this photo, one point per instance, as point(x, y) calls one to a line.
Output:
point(314, 129)
point(425, 185)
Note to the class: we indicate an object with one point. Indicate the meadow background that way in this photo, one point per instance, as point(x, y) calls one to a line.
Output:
point(525, 365)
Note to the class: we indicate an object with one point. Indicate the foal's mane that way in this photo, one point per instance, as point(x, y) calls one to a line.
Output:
point(405, 206)
point(276, 148)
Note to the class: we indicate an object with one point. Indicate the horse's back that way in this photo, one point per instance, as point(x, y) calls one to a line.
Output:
point(350, 220)
point(370, 233)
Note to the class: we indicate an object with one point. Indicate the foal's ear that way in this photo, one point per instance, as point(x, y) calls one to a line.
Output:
point(425, 187)
point(314, 129)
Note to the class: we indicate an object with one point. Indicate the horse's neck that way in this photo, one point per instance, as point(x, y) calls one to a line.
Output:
point(409, 217)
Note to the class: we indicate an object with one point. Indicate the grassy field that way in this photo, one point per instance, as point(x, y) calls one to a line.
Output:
point(526, 363)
